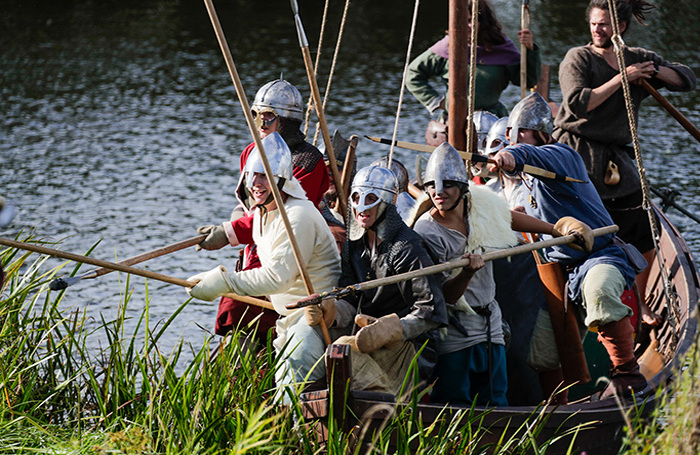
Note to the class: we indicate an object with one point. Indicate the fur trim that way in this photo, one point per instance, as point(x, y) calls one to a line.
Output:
point(489, 221)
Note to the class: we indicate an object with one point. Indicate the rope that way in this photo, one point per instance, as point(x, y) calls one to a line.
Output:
point(335, 59)
point(671, 297)
point(403, 81)
point(310, 104)
point(472, 81)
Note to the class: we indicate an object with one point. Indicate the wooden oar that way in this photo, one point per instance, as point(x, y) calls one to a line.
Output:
point(228, 57)
point(62, 283)
point(524, 25)
point(455, 263)
point(675, 113)
point(318, 103)
point(528, 169)
point(122, 268)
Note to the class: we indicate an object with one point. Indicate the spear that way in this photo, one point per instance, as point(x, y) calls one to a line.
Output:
point(524, 25)
point(453, 264)
point(316, 94)
point(476, 158)
point(122, 268)
point(263, 156)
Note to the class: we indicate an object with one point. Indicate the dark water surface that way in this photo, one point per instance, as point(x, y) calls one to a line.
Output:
point(120, 123)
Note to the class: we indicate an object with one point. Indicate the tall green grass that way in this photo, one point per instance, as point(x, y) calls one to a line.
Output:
point(59, 393)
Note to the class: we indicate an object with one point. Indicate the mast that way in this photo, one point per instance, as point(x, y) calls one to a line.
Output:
point(458, 73)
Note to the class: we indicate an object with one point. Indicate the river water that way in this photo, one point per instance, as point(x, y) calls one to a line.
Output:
point(120, 123)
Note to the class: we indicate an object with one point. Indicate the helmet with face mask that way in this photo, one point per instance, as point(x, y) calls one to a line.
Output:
point(280, 159)
point(496, 139)
point(280, 97)
point(371, 186)
point(531, 113)
point(397, 168)
point(446, 164)
point(483, 121)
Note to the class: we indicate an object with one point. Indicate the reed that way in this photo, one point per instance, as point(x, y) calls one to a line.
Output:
point(61, 394)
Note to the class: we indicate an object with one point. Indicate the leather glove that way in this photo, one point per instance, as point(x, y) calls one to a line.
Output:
point(383, 332)
point(216, 237)
point(570, 225)
point(211, 284)
point(324, 311)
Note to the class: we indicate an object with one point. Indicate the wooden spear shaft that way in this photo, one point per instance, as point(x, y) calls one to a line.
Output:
point(675, 113)
point(318, 103)
point(524, 25)
point(122, 268)
point(263, 156)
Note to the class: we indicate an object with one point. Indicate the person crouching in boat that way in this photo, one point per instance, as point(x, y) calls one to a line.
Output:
point(394, 320)
point(278, 107)
point(597, 278)
point(279, 276)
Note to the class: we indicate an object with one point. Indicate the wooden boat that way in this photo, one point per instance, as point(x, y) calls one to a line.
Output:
point(603, 420)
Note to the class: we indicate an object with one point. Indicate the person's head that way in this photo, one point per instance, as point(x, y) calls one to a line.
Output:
point(397, 168)
point(530, 122)
point(483, 121)
point(280, 159)
point(496, 139)
point(600, 19)
point(445, 177)
point(278, 107)
point(373, 188)
point(490, 31)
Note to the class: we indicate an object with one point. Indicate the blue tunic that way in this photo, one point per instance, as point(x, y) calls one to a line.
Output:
point(556, 199)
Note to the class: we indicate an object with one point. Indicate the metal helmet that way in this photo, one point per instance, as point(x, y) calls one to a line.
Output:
point(483, 121)
point(282, 97)
point(445, 164)
point(531, 113)
point(496, 139)
point(397, 168)
point(278, 155)
point(376, 180)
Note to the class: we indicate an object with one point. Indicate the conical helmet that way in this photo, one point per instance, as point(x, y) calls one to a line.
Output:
point(532, 113)
point(445, 164)
point(379, 181)
point(280, 96)
point(280, 158)
point(397, 168)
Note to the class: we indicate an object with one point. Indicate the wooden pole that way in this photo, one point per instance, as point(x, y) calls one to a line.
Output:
point(122, 268)
point(263, 156)
point(675, 113)
point(457, 85)
point(524, 25)
point(318, 103)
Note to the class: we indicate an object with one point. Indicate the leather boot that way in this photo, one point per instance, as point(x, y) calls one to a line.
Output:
point(550, 381)
point(625, 378)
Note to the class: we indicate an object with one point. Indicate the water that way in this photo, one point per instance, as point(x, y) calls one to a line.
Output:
point(120, 123)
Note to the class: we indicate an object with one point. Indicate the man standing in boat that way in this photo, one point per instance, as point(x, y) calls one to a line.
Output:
point(278, 107)
point(279, 275)
point(592, 118)
point(394, 320)
point(598, 276)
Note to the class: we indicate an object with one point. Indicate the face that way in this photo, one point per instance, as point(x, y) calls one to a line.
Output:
point(268, 124)
point(601, 28)
point(446, 199)
point(368, 217)
point(260, 190)
point(525, 136)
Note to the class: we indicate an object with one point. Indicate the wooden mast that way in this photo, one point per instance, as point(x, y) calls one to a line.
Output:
point(458, 74)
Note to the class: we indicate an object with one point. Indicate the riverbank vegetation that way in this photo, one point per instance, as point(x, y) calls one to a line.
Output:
point(59, 393)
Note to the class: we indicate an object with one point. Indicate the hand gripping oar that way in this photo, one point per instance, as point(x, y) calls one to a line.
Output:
point(123, 268)
point(228, 57)
point(453, 264)
point(675, 113)
point(316, 94)
point(528, 169)
point(62, 283)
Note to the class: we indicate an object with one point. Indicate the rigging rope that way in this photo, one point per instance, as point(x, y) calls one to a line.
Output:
point(310, 104)
point(619, 45)
point(335, 60)
point(403, 81)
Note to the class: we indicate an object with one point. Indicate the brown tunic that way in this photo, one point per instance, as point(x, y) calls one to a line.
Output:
point(603, 134)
